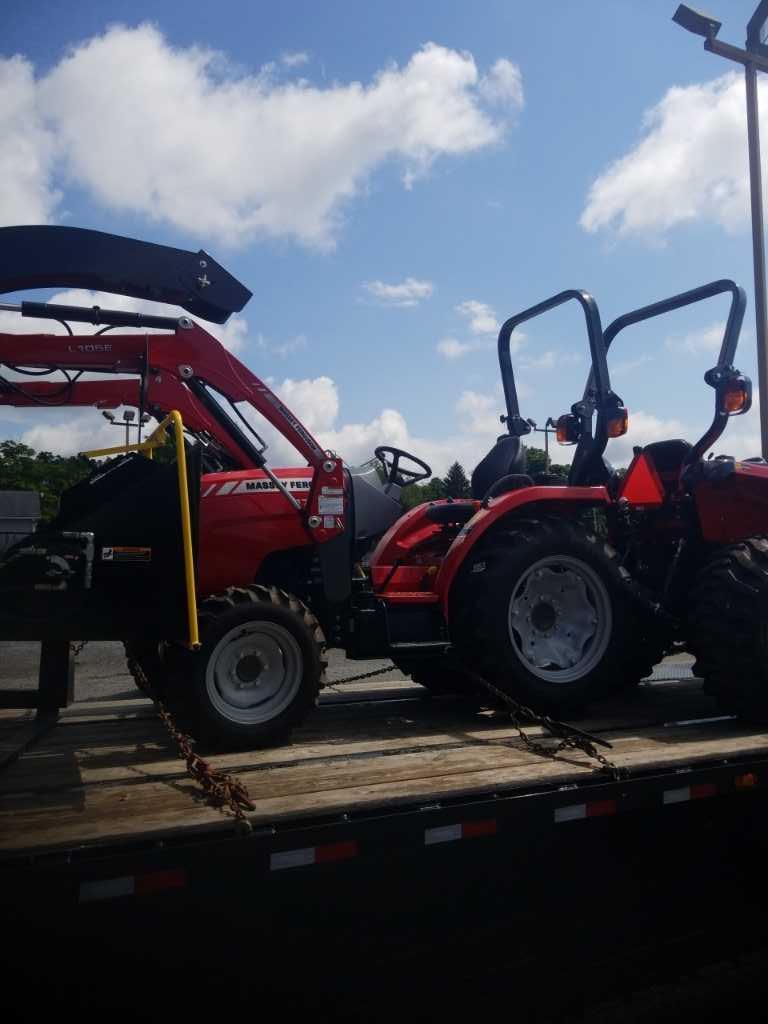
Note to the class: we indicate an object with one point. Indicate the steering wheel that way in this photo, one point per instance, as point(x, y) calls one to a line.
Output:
point(395, 473)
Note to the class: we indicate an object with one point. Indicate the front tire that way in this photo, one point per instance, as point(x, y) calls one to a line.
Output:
point(543, 611)
point(729, 628)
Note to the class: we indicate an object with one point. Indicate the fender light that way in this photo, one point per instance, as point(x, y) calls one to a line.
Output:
point(567, 429)
point(618, 424)
point(737, 397)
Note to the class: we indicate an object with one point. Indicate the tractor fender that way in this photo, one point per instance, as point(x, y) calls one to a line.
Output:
point(557, 498)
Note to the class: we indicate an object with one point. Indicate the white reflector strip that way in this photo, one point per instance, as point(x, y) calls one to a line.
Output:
point(209, 490)
point(677, 796)
point(444, 834)
point(227, 487)
point(571, 813)
point(106, 889)
point(292, 858)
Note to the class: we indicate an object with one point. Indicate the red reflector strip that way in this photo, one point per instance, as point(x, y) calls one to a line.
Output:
point(335, 851)
point(461, 830)
point(685, 793)
point(130, 885)
point(159, 881)
point(313, 855)
point(593, 809)
point(600, 808)
point(745, 781)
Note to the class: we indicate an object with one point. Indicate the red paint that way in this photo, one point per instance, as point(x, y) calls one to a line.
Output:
point(157, 881)
point(471, 829)
point(735, 508)
point(705, 790)
point(600, 808)
point(336, 851)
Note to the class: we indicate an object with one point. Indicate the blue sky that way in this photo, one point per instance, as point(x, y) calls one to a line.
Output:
point(489, 155)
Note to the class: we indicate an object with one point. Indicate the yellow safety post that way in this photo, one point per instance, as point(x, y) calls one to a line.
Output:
point(147, 447)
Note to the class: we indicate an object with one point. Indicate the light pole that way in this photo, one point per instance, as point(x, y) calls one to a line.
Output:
point(754, 58)
point(550, 427)
point(129, 415)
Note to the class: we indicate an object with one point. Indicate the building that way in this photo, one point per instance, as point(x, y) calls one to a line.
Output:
point(19, 515)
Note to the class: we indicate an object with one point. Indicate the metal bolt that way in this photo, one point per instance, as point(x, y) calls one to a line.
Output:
point(329, 466)
point(314, 522)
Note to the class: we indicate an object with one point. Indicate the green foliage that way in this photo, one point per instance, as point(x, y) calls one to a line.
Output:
point(456, 483)
point(417, 494)
point(23, 469)
point(537, 463)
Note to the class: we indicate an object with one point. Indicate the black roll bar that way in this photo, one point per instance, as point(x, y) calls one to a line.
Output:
point(719, 374)
point(515, 424)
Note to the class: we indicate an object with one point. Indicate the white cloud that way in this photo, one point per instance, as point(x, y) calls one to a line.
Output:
point(282, 348)
point(409, 292)
point(482, 318)
point(691, 164)
point(181, 136)
point(503, 84)
point(479, 413)
point(26, 156)
point(452, 349)
point(705, 339)
point(294, 60)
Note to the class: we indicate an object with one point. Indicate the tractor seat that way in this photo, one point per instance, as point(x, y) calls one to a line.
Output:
point(506, 458)
point(667, 458)
point(451, 513)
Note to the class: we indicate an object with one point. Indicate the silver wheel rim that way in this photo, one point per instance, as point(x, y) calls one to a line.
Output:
point(560, 619)
point(254, 672)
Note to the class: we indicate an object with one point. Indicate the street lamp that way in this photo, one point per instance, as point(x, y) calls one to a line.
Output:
point(546, 431)
point(754, 58)
point(129, 415)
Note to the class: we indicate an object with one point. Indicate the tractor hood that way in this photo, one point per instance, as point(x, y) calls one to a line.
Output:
point(42, 256)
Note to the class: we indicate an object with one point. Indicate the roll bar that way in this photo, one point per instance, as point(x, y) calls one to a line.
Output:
point(719, 375)
point(514, 422)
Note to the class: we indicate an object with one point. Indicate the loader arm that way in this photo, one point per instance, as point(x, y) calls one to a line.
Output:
point(186, 369)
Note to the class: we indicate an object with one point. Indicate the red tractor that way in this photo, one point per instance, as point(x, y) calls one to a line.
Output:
point(556, 593)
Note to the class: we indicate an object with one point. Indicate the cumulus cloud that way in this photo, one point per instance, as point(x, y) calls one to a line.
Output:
point(181, 136)
point(690, 164)
point(503, 84)
point(27, 195)
point(705, 339)
point(409, 292)
point(481, 317)
point(294, 60)
point(452, 349)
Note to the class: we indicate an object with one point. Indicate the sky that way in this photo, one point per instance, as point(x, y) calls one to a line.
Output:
point(392, 181)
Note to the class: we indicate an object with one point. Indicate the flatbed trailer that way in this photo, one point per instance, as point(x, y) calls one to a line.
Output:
point(394, 829)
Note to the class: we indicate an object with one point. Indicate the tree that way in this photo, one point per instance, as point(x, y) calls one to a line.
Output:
point(537, 463)
point(417, 494)
point(456, 482)
point(21, 469)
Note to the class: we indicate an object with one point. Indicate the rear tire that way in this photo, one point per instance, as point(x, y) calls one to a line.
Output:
point(543, 611)
point(729, 628)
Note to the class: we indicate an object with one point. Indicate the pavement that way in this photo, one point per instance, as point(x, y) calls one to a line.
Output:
point(101, 673)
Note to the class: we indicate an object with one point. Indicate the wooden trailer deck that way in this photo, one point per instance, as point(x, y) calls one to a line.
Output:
point(108, 774)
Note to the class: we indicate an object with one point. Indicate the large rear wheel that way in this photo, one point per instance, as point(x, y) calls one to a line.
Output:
point(544, 612)
point(729, 628)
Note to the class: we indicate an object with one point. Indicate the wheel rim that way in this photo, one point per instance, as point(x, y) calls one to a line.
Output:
point(254, 672)
point(560, 619)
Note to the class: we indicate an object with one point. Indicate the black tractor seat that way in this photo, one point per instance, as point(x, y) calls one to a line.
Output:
point(451, 512)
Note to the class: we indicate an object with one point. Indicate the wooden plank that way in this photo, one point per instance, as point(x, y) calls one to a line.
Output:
point(96, 755)
point(143, 810)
